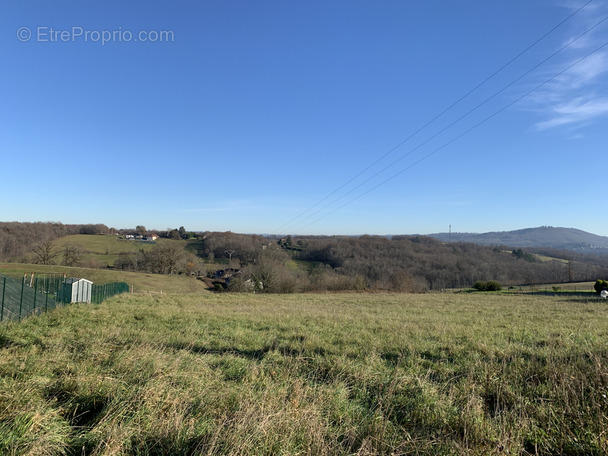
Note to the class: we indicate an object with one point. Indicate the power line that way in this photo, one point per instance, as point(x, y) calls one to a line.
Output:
point(504, 108)
point(446, 110)
point(459, 119)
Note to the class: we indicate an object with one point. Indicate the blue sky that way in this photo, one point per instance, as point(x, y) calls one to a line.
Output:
point(280, 116)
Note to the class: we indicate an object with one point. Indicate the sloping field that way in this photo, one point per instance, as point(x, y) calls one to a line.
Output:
point(103, 250)
point(335, 374)
point(140, 282)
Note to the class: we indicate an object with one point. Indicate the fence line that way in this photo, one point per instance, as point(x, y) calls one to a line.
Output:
point(100, 293)
point(22, 298)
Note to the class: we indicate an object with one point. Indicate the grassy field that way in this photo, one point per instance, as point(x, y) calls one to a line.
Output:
point(103, 250)
point(333, 374)
point(576, 287)
point(568, 288)
point(140, 282)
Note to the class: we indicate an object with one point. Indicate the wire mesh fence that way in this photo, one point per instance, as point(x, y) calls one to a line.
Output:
point(100, 293)
point(32, 295)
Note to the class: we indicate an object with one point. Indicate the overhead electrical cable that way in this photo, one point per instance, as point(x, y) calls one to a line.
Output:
point(442, 113)
point(459, 119)
point(504, 108)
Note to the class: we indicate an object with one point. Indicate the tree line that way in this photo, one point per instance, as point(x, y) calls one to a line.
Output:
point(400, 263)
point(383, 262)
point(319, 263)
point(19, 238)
point(166, 258)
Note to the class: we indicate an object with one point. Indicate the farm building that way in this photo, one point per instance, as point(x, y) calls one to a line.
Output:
point(76, 290)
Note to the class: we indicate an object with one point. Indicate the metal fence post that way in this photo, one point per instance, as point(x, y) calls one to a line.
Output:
point(35, 293)
point(21, 298)
point(3, 293)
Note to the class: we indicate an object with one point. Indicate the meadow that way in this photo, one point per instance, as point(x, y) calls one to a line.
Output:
point(140, 282)
point(102, 251)
point(314, 374)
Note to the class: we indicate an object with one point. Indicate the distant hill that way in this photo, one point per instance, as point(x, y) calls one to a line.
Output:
point(544, 236)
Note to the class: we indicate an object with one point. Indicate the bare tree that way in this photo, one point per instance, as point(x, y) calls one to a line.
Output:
point(164, 258)
point(45, 253)
point(72, 255)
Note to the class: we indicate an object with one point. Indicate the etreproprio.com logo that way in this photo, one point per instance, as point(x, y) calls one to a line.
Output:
point(81, 34)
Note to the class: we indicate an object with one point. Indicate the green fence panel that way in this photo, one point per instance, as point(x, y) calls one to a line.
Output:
point(3, 293)
point(21, 298)
point(100, 293)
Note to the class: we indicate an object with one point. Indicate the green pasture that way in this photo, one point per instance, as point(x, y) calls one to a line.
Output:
point(309, 374)
point(140, 282)
point(571, 287)
point(545, 258)
point(102, 250)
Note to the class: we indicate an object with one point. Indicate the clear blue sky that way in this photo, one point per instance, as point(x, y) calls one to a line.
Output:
point(242, 115)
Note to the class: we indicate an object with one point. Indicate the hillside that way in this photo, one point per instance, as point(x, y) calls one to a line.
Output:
point(321, 263)
point(140, 282)
point(544, 236)
point(100, 251)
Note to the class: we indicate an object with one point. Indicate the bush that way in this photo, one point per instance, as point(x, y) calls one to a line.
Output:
point(492, 285)
point(600, 285)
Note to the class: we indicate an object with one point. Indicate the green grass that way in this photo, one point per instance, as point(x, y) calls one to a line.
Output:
point(545, 258)
point(572, 287)
point(568, 288)
point(293, 265)
point(103, 250)
point(333, 374)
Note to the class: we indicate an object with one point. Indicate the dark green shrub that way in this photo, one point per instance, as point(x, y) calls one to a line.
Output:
point(529, 257)
point(480, 286)
point(600, 285)
point(491, 285)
